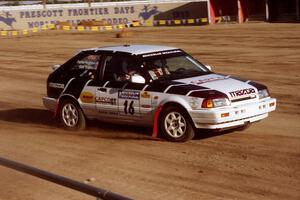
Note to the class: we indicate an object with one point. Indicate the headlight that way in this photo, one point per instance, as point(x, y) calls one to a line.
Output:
point(221, 102)
point(263, 93)
point(194, 102)
point(214, 103)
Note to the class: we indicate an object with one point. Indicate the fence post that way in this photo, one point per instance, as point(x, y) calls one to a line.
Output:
point(60, 180)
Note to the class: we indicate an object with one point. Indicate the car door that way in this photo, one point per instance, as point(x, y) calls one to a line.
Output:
point(106, 96)
point(84, 70)
point(119, 98)
point(129, 97)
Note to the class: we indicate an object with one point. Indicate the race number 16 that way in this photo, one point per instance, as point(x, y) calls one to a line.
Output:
point(128, 108)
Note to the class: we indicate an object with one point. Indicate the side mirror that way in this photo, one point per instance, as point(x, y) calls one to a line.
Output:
point(136, 78)
point(208, 67)
point(54, 67)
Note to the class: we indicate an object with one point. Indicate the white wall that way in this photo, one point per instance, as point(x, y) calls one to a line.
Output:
point(29, 16)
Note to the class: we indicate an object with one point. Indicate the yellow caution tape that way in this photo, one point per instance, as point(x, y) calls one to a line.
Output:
point(177, 22)
point(4, 33)
point(51, 26)
point(14, 33)
point(25, 32)
point(148, 23)
point(44, 27)
point(80, 28)
point(191, 21)
point(204, 20)
point(135, 24)
point(162, 22)
point(120, 26)
point(35, 30)
point(95, 28)
point(108, 28)
point(66, 28)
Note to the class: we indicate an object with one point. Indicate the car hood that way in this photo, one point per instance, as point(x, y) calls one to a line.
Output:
point(233, 87)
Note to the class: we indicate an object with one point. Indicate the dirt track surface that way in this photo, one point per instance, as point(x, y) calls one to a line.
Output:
point(262, 162)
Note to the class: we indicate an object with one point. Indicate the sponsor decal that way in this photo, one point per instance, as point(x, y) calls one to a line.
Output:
point(208, 80)
point(107, 112)
point(146, 106)
point(155, 101)
point(87, 97)
point(56, 85)
point(145, 95)
point(106, 100)
point(88, 63)
point(242, 92)
point(161, 53)
point(129, 95)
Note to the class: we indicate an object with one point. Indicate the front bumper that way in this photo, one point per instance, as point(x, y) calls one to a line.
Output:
point(219, 118)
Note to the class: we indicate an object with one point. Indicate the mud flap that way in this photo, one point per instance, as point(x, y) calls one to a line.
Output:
point(155, 124)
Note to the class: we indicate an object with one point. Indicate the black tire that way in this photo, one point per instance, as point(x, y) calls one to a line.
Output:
point(175, 124)
point(71, 116)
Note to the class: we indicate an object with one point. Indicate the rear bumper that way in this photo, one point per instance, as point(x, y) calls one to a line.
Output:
point(50, 103)
point(233, 116)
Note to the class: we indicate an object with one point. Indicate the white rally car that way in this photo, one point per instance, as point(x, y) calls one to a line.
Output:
point(157, 86)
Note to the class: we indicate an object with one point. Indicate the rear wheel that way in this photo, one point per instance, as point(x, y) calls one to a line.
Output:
point(175, 125)
point(71, 116)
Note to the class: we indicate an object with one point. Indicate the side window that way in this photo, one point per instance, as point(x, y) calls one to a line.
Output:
point(157, 68)
point(108, 69)
point(86, 66)
point(119, 68)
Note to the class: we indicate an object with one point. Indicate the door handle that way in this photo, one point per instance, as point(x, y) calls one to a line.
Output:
point(102, 89)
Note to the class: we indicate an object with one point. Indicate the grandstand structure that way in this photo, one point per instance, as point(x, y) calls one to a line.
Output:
point(257, 10)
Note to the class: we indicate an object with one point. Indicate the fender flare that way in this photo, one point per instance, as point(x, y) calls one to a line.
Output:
point(177, 101)
point(60, 100)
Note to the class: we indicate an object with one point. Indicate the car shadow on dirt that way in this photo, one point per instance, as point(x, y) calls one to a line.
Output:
point(28, 116)
point(206, 133)
point(112, 131)
point(120, 131)
point(94, 128)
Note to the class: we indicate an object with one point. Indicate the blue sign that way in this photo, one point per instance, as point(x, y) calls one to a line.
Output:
point(148, 12)
point(8, 19)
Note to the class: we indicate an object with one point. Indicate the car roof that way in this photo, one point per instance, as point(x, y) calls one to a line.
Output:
point(136, 49)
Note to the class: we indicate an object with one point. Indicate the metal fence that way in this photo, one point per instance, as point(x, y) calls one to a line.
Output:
point(63, 181)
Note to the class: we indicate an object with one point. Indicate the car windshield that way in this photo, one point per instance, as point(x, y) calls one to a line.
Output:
point(173, 66)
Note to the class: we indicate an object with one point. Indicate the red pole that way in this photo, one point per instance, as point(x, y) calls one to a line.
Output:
point(240, 12)
point(211, 15)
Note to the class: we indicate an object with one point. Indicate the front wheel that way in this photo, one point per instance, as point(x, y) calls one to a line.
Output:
point(175, 125)
point(71, 116)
